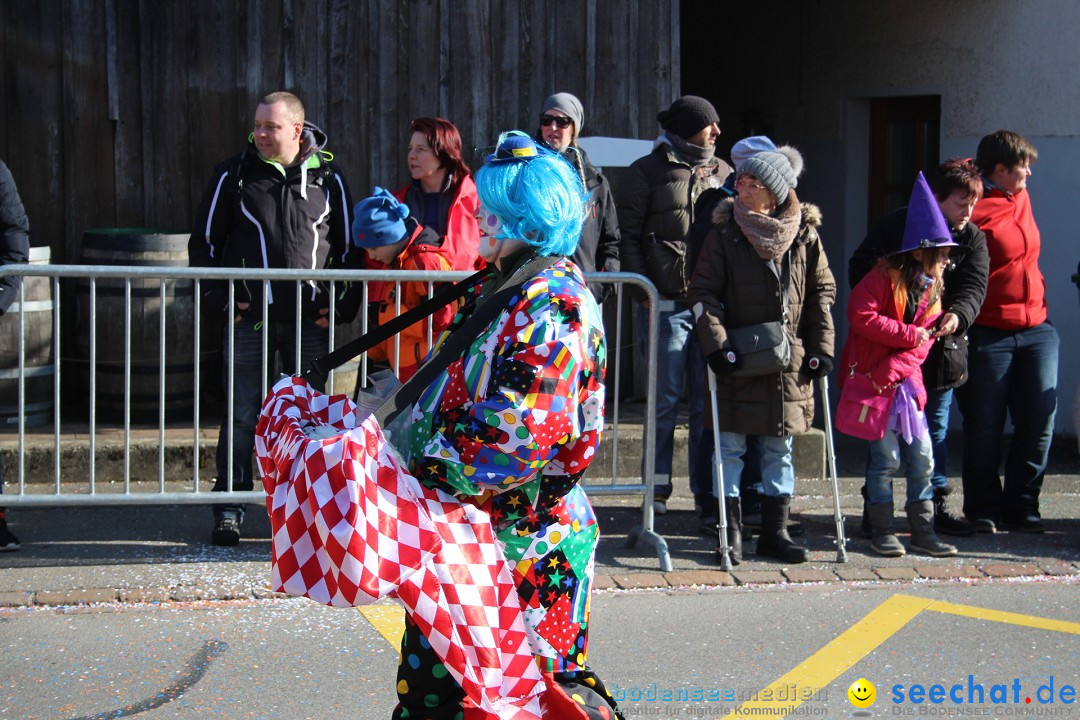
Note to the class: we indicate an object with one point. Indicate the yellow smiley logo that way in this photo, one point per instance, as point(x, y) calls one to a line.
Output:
point(862, 693)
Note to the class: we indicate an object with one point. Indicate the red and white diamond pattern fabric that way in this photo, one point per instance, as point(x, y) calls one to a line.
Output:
point(351, 525)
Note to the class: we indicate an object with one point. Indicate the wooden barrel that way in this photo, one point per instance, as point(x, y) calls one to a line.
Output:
point(137, 247)
point(39, 367)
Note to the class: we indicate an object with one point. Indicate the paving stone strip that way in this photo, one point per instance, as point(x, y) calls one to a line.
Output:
point(626, 581)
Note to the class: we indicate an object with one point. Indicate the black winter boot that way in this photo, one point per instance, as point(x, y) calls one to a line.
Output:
point(883, 541)
point(945, 522)
point(734, 531)
point(774, 541)
point(921, 521)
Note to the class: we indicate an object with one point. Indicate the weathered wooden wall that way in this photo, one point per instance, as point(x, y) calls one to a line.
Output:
point(115, 111)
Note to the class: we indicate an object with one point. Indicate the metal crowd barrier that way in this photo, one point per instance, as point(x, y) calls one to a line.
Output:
point(136, 286)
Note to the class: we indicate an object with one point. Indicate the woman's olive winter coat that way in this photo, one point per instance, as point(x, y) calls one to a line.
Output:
point(734, 287)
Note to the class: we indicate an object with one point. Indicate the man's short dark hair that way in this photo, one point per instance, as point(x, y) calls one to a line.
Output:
point(1006, 148)
point(292, 103)
point(955, 175)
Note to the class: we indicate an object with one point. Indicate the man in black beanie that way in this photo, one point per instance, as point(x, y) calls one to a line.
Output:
point(656, 210)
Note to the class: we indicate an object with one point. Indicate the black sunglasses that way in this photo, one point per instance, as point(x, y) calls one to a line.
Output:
point(562, 122)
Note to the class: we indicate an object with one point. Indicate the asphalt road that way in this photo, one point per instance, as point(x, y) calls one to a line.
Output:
point(186, 636)
point(795, 650)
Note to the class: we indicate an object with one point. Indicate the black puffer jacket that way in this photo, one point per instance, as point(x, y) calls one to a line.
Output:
point(257, 214)
point(656, 209)
point(14, 236)
point(965, 288)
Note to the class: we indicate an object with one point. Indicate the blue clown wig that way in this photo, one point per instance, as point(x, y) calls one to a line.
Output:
point(535, 193)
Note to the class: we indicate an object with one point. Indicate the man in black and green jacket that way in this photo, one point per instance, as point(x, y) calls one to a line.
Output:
point(279, 204)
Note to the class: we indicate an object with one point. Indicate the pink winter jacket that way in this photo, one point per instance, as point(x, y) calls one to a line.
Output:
point(880, 344)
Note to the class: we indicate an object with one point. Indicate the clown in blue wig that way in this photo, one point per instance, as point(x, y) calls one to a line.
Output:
point(528, 194)
point(512, 426)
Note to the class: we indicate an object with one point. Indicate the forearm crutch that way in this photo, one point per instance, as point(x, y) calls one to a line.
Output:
point(718, 467)
point(830, 452)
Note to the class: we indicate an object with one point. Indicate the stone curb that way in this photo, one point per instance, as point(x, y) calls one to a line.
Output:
point(627, 581)
point(141, 595)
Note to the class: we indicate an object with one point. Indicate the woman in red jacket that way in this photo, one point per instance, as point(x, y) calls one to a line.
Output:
point(442, 194)
point(893, 313)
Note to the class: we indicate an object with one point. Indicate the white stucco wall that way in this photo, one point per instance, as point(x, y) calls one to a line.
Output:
point(995, 64)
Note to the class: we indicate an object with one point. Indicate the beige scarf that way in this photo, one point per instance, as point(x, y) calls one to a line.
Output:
point(771, 235)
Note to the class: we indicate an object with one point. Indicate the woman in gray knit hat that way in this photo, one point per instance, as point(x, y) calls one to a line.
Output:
point(763, 263)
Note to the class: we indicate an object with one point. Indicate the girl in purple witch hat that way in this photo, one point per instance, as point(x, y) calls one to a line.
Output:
point(892, 313)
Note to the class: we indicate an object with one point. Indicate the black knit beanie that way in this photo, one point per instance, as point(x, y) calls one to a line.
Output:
point(687, 116)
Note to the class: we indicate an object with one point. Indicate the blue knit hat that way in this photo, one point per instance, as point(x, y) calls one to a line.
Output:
point(379, 220)
point(925, 226)
point(749, 147)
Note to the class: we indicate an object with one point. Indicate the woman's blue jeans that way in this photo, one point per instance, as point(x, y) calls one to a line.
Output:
point(938, 404)
point(777, 468)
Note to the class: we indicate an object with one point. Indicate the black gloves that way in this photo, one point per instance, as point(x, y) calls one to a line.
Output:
point(723, 362)
point(816, 366)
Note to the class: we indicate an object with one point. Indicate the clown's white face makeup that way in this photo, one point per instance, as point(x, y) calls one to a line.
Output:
point(489, 228)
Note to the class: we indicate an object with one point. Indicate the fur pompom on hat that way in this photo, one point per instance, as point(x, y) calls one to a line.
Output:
point(778, 171)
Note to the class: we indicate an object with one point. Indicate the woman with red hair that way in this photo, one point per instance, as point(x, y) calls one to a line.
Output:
point(442, 194)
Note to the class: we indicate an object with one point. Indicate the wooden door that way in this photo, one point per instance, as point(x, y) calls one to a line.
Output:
point(904, 139)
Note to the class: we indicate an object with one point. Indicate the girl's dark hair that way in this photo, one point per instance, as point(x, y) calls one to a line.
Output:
point(445, 141)
point(911, 269)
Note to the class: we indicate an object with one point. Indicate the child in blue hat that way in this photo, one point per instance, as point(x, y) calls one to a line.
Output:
point(393, 240)
point(892, 313)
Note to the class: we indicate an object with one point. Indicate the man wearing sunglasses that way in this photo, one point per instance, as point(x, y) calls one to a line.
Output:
point(561, 120)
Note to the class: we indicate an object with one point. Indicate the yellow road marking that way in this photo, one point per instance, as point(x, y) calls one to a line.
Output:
point(834, 659)
point(855, 643)
point(1006, 617)
point(389, 620)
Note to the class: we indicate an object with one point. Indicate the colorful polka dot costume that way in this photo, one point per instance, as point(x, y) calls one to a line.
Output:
point(512, 426)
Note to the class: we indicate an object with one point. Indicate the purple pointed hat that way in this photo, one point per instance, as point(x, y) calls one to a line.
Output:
point(926, 226)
